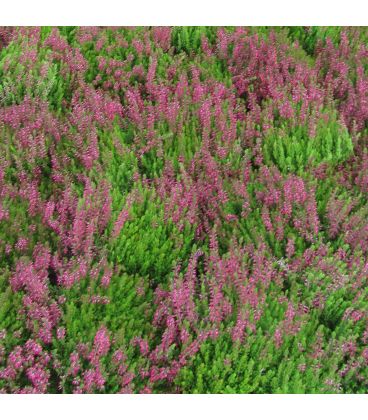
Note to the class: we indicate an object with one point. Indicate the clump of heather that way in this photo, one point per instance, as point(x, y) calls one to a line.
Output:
point(183, 210)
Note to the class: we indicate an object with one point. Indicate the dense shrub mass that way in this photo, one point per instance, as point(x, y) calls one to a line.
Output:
point(183, 210)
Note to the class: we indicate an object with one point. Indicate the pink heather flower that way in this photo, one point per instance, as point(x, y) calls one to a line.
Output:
point(22, 244)
point(127, 378)
point(278, 338)
point(365, 355)
point(67, 279)
point(61, 299)
point(33, 348)
point(184, 335)
point(214, 333)
point(101, 342)
point(237, 333)
point(286, 110)
point(205, 46)
point(99, 379)
point(4, 214)
point(16, 359)
point(143, 345)
point(49, 210)
point(74, 364)
point(290, 248)
point(105, 280)
point(33, 282)
point(162, 36)
point(266, 219)
point(39, 378)
point(146, 390)
point(205, 115)
point(89, 380)
point(231, 217)
point(349, 347)
point(82, 349)
point(60, 333)
point(356, 316)
point(120, 222)
point(112, 109)
point(100, 299)
point(290, 312)
point(118, 357)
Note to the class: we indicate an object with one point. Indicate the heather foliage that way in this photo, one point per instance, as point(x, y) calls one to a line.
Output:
point(183, 210)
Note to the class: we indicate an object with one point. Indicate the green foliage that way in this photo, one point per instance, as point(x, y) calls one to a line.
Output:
point(308, 37)
point(188, 38)
point(149, 245)
point(292, 149)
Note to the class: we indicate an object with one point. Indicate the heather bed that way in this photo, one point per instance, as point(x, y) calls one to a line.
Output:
point(183, 210)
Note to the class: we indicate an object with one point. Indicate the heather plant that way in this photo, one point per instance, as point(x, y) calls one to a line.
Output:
point(183, 210)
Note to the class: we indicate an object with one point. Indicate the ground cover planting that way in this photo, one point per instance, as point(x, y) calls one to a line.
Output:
point(183, 210)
